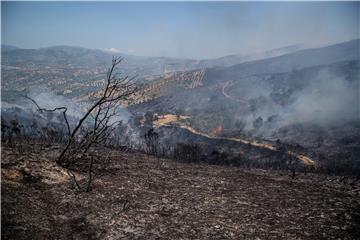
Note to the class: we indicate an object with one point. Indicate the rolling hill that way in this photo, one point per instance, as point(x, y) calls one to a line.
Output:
point(309, 98)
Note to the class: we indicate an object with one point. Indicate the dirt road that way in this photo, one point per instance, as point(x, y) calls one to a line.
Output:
point(168, 119)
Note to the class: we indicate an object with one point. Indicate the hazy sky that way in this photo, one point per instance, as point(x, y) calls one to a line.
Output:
point(178, 29)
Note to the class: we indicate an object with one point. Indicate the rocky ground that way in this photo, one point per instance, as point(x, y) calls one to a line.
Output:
point(142, 197)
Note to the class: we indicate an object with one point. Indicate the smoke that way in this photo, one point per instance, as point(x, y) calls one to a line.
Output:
point(112, 50)
point(326, 100)
point(46, 99)
point(323, 100)
point(122, 115)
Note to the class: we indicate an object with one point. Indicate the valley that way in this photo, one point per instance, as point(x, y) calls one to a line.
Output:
point(257, 103)
point(181, 120)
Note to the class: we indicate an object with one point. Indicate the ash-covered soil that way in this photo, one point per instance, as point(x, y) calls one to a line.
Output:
point(143, 197)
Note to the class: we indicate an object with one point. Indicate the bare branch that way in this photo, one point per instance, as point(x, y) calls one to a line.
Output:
point(63, 109)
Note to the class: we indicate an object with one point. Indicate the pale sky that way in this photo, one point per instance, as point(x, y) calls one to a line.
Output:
point(178, 29)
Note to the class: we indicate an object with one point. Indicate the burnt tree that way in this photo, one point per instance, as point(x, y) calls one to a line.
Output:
point(98, 122)
point(152, 141)
point(101, 115)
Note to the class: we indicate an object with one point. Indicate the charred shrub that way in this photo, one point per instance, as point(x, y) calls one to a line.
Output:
point(189, 153)
point(10, 130)
point(219, 158)
point(152, 141)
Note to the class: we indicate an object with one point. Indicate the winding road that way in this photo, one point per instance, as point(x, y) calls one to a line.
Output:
point(223, 91)
point(303, 158)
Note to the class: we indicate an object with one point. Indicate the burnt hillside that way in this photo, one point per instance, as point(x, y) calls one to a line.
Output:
point(143, 197)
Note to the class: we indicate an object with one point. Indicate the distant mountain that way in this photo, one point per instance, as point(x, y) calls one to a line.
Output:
point(346, 51)
point(309, 97)
point(225, 61)
point(5, 48)
point(230, 60)
point(283, 50)
point(76, 71)
point(60, 56)
point(236, 85)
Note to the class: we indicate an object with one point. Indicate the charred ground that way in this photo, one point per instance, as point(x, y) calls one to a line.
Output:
point(143, 197)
